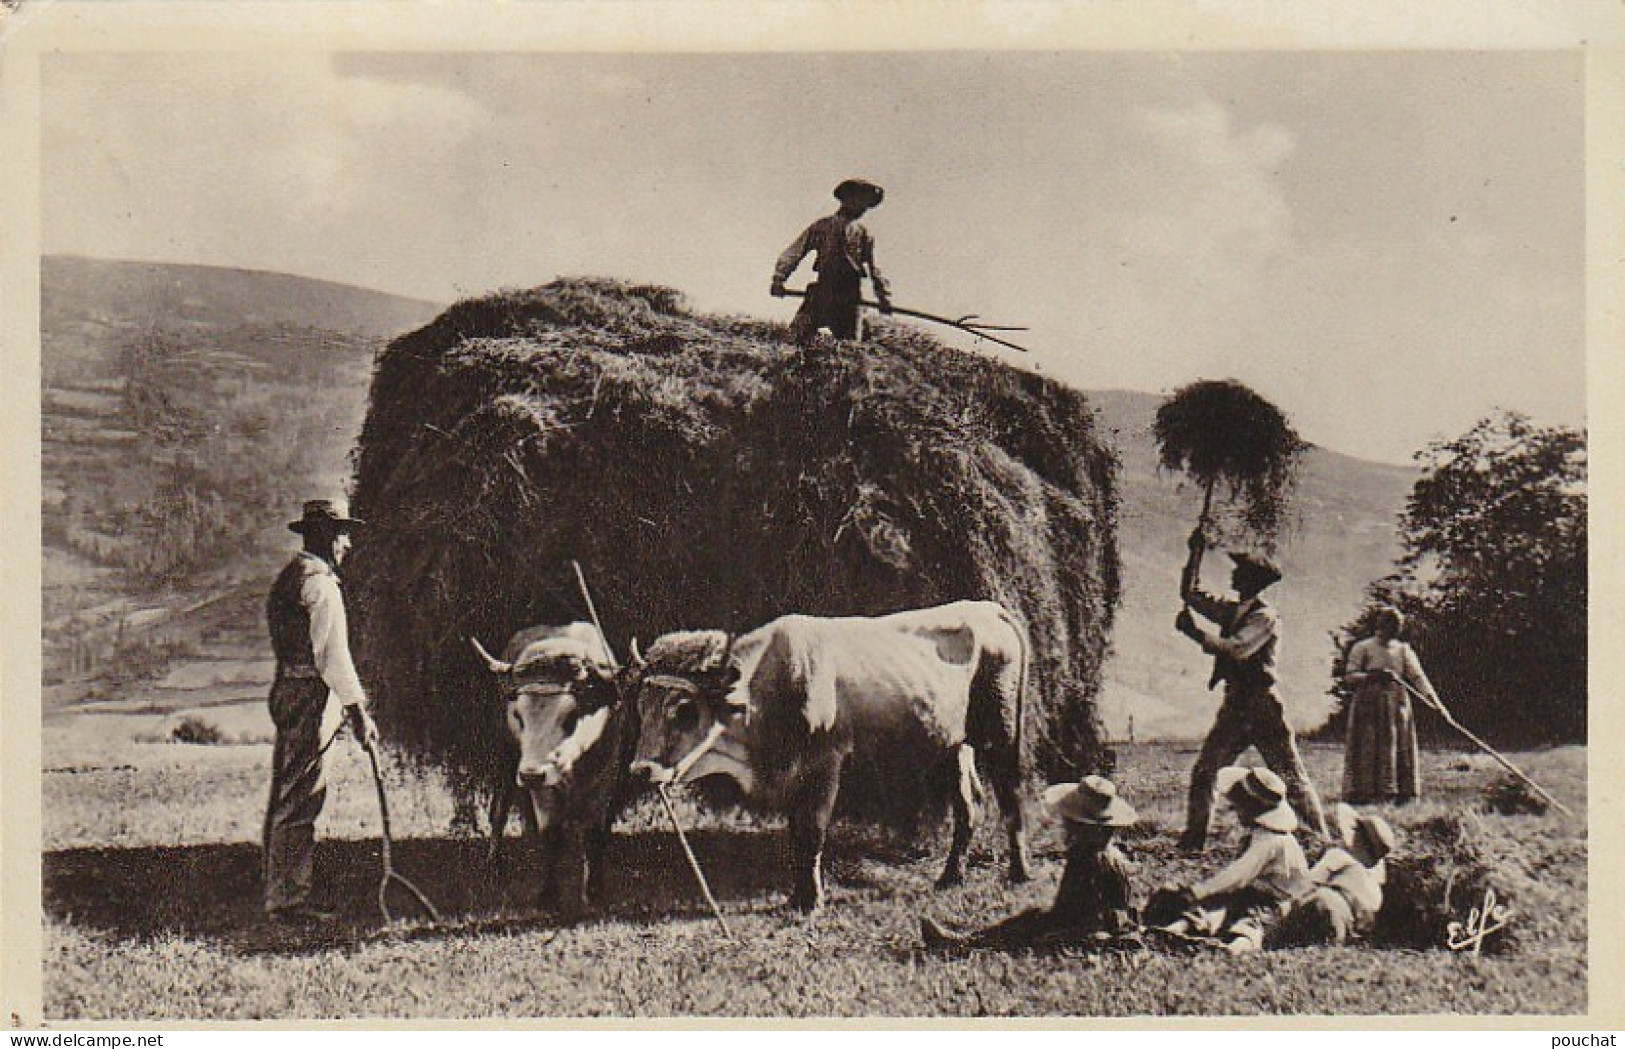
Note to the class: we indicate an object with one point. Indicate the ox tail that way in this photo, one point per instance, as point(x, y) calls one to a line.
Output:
point(1024, 646)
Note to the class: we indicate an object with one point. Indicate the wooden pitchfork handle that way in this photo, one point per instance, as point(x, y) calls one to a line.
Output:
point(967, 323)
point(693, 862)
point(1485, 747)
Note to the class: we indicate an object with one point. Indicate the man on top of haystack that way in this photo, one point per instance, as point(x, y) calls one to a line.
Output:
point(846, 254)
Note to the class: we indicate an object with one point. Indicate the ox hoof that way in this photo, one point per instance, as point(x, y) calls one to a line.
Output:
point(950, 879)
point(1020, 875)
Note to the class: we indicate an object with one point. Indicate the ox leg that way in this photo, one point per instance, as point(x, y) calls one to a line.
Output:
point(809, 824)
point(597, 844)
point(967, 809)
point(501, 805)
point(1004, 769)
point(570, 875)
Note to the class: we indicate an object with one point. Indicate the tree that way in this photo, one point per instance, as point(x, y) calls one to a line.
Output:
point(1493, 579)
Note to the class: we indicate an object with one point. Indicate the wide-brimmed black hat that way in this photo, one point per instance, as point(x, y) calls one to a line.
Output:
point(859, 190)
point(1260, 564)
point(323, 513)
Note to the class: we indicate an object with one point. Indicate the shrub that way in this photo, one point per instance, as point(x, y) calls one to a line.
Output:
point(194, 729)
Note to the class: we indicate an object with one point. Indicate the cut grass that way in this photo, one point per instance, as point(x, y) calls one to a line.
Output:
point(166, 927)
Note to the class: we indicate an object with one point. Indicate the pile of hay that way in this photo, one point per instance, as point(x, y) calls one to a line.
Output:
point(1447, 869)
point(706, 473)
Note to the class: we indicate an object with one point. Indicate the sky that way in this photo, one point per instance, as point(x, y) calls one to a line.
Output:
point(1388, 245)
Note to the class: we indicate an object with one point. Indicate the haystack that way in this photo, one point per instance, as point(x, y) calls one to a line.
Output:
point(708, 474)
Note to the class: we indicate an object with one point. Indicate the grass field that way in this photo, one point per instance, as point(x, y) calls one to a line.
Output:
point(151, 883)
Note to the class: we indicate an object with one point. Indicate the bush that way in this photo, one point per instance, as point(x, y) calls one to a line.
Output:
point(193, 729)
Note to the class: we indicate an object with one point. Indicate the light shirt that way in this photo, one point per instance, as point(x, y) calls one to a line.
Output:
point(329, 633)
point(1360, 885)
point(838, 242)
point(1373, 653)
point(1251, 634)
point(1272, 861)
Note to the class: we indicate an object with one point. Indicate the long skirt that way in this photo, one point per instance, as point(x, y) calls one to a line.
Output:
point(1379, 763)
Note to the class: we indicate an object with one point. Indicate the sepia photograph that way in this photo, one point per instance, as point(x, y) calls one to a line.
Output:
point(802, 519)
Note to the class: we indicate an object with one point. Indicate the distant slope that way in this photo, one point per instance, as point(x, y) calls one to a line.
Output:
point(72, 287)
point(1347, 511)
point(184, 411)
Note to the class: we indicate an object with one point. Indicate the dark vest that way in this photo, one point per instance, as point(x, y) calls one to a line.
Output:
point(286, 613)
point(1251, 673)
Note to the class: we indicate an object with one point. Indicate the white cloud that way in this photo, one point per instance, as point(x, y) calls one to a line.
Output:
point(1219, 214)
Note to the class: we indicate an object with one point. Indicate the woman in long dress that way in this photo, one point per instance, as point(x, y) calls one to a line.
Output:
point(1379, 763)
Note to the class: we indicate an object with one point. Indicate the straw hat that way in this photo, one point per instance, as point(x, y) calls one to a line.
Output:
point(323, 513)
point(1259, 796)
point(1372, 833)
point(1093, 802)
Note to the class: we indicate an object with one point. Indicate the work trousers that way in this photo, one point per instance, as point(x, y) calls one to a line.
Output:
point(1250, 718)
point(1324, 916)
point(297, 791)
point(832, 302)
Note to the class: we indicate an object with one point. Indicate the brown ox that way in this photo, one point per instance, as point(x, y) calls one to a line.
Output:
point(573, 743)
point(783, 708)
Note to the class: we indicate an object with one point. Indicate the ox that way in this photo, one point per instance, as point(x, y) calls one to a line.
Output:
point(782, 709)
point(573, 744)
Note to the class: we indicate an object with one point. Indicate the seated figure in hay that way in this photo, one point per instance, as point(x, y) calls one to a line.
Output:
point(1093, 908)
point(1237, 907)
point(1348, 886)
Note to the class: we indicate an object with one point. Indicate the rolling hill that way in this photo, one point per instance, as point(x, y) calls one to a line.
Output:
point(217, 398)
point(185, 410)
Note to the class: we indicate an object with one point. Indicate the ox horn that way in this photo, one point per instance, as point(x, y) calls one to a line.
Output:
point(637, 657)
point(497, 666)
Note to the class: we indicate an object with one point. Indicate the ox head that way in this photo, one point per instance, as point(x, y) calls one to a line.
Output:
point(687, 698)
point(557, 702)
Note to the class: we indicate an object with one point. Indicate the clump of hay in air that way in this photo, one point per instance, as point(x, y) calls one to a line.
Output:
point(1221, 432)
point(707, 474)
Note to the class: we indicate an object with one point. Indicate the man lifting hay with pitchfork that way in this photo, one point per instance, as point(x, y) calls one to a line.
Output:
point(845, 255)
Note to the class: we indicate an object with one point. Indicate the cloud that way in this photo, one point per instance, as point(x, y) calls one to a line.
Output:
point(181, 155)
point(1219, 214)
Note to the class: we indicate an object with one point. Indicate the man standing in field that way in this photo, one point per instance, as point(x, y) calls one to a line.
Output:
point(846, 254)
point(311, 641)
point(1244, 655)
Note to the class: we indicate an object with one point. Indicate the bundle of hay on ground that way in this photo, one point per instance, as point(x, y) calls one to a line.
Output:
point(706, 473)
point(1445, 872)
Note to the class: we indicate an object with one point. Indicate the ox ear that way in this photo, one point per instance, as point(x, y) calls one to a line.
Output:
point(496, 665)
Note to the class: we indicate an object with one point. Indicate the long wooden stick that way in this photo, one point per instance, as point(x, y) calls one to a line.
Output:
point(592, 610)
point(693, 862)
point(1485, 747)
point(967, 323)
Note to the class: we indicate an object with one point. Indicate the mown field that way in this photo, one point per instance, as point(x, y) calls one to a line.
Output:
point(151, 883)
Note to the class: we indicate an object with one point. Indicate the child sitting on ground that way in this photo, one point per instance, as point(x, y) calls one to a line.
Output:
point(1237, 906)
point(1348, 882)
point(1093, 907)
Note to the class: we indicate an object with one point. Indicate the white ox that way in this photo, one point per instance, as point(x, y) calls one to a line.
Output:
point(783, 708)
point(559, 704)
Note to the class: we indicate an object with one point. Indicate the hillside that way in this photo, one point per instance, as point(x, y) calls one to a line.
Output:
point(1344, 537)
point(184, 412)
